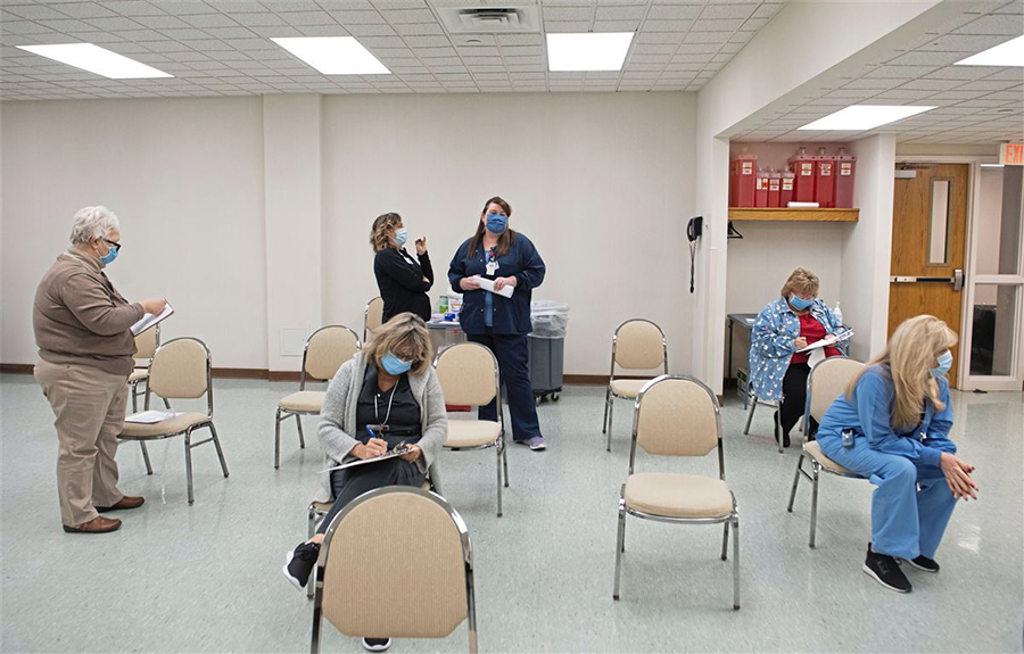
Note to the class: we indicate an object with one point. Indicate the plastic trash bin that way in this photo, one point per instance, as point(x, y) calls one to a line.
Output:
point(547, 347)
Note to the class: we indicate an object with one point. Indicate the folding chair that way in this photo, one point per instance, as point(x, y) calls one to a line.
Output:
point(637, 344)
point(373, 317)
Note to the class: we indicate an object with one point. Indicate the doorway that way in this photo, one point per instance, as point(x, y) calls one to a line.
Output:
point(929, 234)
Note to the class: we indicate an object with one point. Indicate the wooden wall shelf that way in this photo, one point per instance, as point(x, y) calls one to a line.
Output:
point(795, 215)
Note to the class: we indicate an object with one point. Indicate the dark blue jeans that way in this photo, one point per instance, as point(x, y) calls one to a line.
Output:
point(350, 483)
point(513, 357)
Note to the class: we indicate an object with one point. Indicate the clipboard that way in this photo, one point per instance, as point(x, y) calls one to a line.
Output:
point(827, 341)
point(149, 319)
point(398, 450)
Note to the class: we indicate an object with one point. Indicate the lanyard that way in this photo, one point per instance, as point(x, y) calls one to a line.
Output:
point(376, 409)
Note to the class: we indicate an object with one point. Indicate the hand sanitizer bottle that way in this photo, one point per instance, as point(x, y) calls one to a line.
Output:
point(838, 313)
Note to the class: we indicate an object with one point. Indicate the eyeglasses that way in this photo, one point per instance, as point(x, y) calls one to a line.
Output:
point(114, 244)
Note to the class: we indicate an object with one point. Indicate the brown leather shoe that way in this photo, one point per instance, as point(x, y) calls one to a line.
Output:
point(98, 525)
point(126, 502)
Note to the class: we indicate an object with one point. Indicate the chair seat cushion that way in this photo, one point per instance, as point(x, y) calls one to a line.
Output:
point(627, 387)
point(678, 496)
point(304, 401)
point(169, 427)
point(472, 433)
point(813, 450)
point(138, 375)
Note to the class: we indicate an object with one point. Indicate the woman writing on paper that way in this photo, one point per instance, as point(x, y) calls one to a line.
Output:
point(83, 330)
point(385, 395)
point(402, 280)
point(892, 426)
point(508, 259)
point(790, 323)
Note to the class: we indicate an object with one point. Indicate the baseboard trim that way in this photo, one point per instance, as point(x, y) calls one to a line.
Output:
point(16, 368)
point(585, 380)
point(282, 375)
point(240, 373)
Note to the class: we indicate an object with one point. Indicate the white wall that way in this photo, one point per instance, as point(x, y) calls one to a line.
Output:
point(185, 178)
point(601, 183)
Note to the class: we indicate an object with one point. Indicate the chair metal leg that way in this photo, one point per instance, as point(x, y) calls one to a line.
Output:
point(796, 480)
point(777, 423)
point(725, 541)
point(277, 439)
point(145, 457)
point(220, 452)
point(311, 516)
point(504, 459)
point(497, 451)
point(188, 466)
point(611, 416)
point(314, 642)
point(618, 550)
point(815, 469)
point(302, 439)
point(736, 563)
point(167, 405)
point(135, 398)
point(604, 422)
point(750, 414)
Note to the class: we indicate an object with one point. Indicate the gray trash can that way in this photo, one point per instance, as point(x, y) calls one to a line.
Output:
point(547, 347)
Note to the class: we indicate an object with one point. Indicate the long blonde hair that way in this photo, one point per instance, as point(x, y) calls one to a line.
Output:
point(406, 333)
point(911, 351)
point(380, 237)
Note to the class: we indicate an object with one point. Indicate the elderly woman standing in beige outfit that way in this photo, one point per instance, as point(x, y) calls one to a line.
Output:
point(82, 328)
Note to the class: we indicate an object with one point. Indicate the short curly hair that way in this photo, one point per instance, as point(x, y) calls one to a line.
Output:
point(379, 232)
point(91, 223)
point(802, 282)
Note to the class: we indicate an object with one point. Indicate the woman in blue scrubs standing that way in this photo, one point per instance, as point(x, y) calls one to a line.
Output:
point(892, 426)
point(498, 253)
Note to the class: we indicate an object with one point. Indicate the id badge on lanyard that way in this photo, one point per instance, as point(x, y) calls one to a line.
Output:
point(492, 262)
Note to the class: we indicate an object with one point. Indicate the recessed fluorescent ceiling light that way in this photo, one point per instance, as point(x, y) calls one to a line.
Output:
point(334, 55)
point(589, 51)
point(96, 60)
point(864, 116)
point(1010, 53)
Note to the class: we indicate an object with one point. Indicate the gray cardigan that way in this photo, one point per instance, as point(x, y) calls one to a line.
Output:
point(338, 420)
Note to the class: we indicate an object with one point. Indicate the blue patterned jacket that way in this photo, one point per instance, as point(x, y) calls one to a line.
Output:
point(771, 344)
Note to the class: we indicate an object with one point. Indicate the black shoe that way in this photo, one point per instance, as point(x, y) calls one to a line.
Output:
point(924, 563)
point(376, 644)
point(778, 428)
point(299, 563)
point(884, 569)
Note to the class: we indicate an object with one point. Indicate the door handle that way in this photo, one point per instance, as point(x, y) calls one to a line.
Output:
point(957, 279)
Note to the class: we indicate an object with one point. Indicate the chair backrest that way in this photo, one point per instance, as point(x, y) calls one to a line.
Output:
point(827, 381)
point(146, 342)
point(397, 562)
point(181, 369)
point(639, 344)
point(468, 373)
point(326, 349)
point(676, 416)
point(373, 316)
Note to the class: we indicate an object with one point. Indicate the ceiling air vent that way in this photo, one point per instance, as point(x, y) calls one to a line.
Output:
point(489, 20)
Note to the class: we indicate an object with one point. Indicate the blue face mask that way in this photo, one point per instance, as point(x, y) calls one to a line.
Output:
point(109, 257)
point(799, 303)
point(945, 363)
point(395, 366)
point(496, 223)
point(400, 236)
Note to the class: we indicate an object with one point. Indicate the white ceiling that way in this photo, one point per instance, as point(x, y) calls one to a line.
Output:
point(974, 104)
point(223, 47)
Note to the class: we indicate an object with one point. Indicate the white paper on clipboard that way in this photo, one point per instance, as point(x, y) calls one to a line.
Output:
point(149, 319)
point(488, 285)
point(827, 341)
point(390, 454)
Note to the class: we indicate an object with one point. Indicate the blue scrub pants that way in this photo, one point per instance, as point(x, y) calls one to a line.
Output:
point(905, 522)
point(513, 357)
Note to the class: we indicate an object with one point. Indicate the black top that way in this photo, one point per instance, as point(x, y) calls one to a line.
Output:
point(403, 421)
point(400, 280)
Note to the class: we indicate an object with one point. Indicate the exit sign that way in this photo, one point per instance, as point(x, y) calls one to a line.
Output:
point(1011, 154)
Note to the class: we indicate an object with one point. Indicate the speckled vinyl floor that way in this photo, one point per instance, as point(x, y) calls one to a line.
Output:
point(206, 578)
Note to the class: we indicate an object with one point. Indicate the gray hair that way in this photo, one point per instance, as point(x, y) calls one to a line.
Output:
point(92, 223)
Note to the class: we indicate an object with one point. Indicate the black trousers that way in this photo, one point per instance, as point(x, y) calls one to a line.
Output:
point(794, 396)
point(513, 356)
point(350, 483)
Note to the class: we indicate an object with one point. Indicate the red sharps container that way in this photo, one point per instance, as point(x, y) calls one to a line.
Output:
point(742, 172)
point(761, 189)
point(825, 180)
point(774, 185)
point(801, 165)
point(786, 188)
point(845, 167)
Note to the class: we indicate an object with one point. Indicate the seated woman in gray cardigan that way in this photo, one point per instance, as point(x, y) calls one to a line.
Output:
point(384, 396)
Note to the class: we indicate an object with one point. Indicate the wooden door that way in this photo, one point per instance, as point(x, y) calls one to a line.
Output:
point(929, 233)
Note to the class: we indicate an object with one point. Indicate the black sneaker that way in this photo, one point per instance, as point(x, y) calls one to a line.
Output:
point(376, 644)
point(884, 569)
point(299, 563)
point(924, 563)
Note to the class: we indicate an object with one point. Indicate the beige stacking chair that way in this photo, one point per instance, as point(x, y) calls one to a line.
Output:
point(753, 401)
point(637, 344)
point(180, 370)
point(678, 416)
point(373, 317)
point(326, 349)
point(145, 345)
point(364, 588)
point(827, 381)
point(468, 373)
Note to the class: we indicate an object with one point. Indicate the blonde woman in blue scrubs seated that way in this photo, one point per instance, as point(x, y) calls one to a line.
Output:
point(892, 426)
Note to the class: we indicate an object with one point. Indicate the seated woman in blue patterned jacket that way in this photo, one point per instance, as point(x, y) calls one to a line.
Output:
point(790, 323)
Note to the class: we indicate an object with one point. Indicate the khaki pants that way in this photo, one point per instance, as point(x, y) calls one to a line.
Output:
point(89, 405)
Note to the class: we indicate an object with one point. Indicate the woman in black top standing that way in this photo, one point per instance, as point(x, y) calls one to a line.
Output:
point(402, 280)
